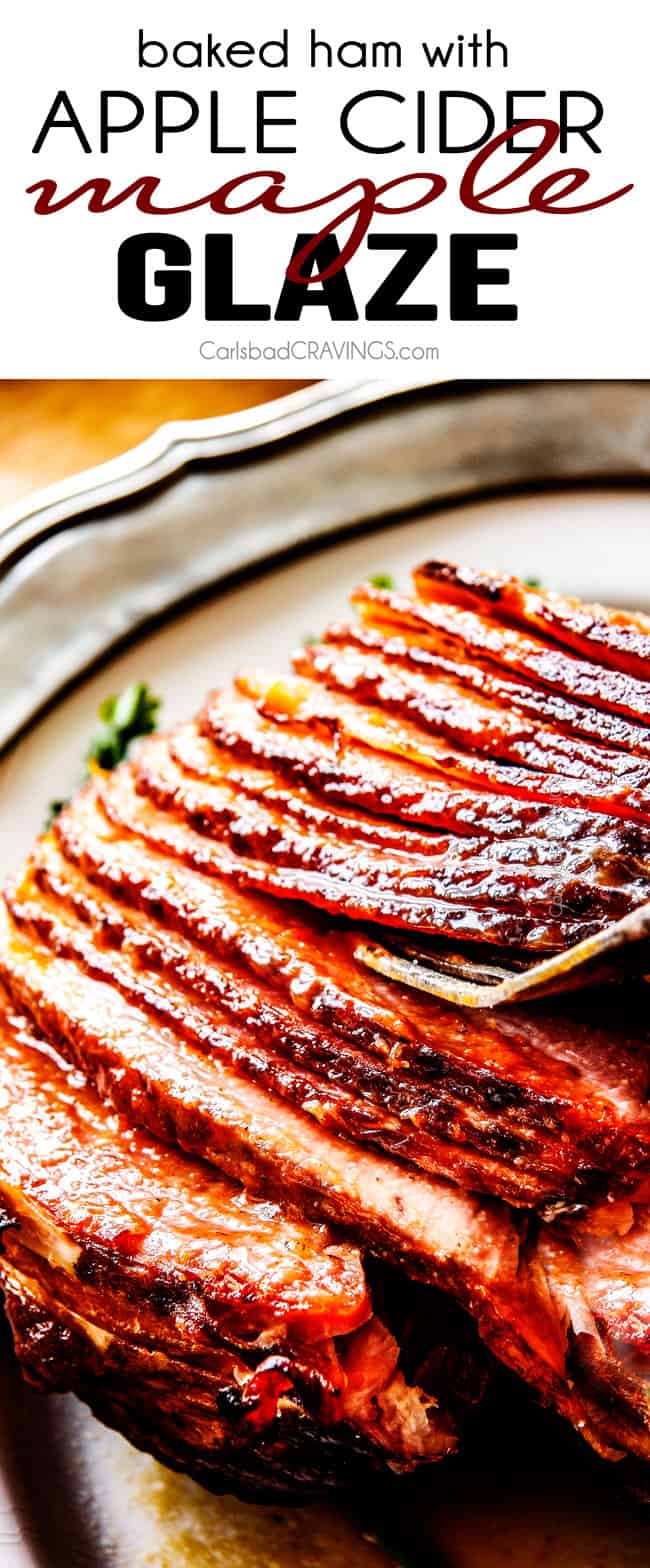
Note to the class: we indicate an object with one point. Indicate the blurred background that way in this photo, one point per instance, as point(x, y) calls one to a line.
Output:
point(50, 429)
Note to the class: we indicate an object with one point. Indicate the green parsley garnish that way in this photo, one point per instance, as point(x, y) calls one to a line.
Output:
point(381, 580)
point(532, 582)
point(53, 810)
point(122, 720)
point(309, 640)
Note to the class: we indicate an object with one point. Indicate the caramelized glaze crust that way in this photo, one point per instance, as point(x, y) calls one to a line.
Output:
point(238, 1168)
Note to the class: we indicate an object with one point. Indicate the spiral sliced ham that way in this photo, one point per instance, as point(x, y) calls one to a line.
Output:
point(260, 1205)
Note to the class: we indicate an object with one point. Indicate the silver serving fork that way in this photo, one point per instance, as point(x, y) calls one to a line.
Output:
point(619, 950)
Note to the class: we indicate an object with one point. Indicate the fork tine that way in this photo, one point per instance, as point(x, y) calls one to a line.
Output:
point(458, 979)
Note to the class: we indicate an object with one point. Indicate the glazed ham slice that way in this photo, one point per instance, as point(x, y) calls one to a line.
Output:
point(81, 1183)
point(618, 639)
point(477, 724)
point(540, 659)
point(235, 1319)
point(434, 651)
point(540, 1106)
point(374, 725)
point(339, 768)
point(431, 1231)
point(212, 1111)
point(422, 870)
point(245, 1180)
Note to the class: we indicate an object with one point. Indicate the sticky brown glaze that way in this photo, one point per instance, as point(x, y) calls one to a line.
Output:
point(434, 868)
point(186, 941)
point(559, 1093)
point(224, 1013)
point(401, 1123)
point(337, 768)
point(618, 639)
point(432, 1230)
point(178, 1093)
point(305, 706)
point(581, 848)
point(374, 726)
point(325, 875)
point(87, 1183)
point(513, 650)
point(443, 707)
point(437, 653)
point(163, 1266)
point(200, 759)
point(506, 1295)
point(617, 855)
point(63, 906)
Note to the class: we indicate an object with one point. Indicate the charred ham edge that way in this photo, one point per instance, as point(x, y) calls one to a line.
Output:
point(333, 1107)
point(235, 1431)
point(618, 639)
point(251, 1394)
point(340, 769)
point(510, 648)
point(440, 866)
point(121, 1223)
point(327, 876)
point(437, 654)
point(360, 1392)
point(578, 1082)
point(308, 705)
point(441, 706)
point(58, 1353)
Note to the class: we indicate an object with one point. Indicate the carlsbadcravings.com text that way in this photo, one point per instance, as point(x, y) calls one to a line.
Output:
point(347, 350)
